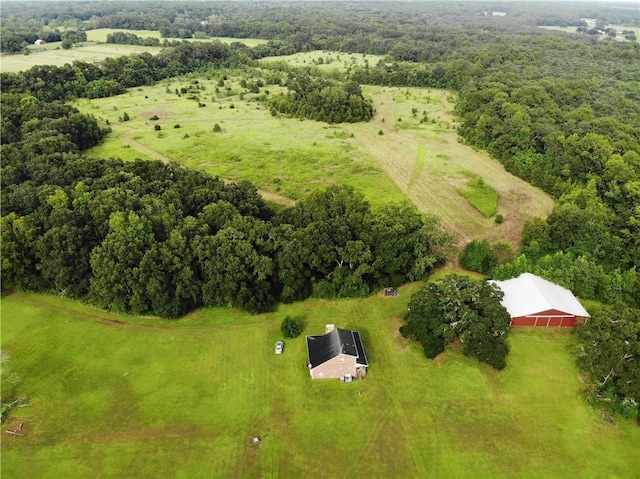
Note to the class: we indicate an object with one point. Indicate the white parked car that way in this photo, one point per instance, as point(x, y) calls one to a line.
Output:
point(279, 347)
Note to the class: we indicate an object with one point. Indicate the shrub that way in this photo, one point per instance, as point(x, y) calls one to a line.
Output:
point(154, 117)
point(290, 327)
point(478, 256)
point(157, 127)
point(217, 128)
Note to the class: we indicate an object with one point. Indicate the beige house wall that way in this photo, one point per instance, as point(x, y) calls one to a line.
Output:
point(336, 367)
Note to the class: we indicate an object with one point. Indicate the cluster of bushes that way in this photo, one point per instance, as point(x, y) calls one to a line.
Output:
point(125, 38)
point(321, 100)
point(458, 307)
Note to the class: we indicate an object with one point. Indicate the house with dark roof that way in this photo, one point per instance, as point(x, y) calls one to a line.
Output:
point(338, 353)
point(533, 301)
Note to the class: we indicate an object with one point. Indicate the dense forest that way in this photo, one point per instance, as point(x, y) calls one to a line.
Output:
point(558, 110)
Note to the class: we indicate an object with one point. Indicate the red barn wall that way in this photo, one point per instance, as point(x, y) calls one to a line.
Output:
point(551, 318)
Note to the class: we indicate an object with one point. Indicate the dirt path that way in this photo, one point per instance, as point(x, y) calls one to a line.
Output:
point(153, 154)
point(427, 166)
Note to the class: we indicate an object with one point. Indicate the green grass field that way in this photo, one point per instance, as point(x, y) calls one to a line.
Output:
point(124, 396)
point(481, 196)
point(418, 156)
point(326, 60)
point(285, 156)
point(93, 50)
point(99, 35)
point(53, 54)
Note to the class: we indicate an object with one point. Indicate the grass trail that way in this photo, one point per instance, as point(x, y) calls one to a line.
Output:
point(433, 184)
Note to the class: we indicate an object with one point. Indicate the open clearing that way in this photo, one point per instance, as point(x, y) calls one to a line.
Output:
point(429, 165)
point(285, 156)
point(326, 60)
point(49, 54)
point(399, 154)
point(100, 35)
point(95, 50)
point(124, 396)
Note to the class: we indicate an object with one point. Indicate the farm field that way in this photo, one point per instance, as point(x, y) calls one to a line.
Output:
point(395, 156)
point(49, 54)
point(326, 60)
point(125, 396)
point(99, 35)
point(93, 50)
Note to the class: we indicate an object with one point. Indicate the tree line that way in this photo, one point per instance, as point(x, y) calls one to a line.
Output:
point(302, 24)
point(113, 75)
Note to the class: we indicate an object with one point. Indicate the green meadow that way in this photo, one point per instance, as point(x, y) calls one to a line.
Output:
point(325, 60)
point(94, 49)
point(124, 396)
point(409, 150)
point(99, 35)
point(481, 196)
point(53, 54)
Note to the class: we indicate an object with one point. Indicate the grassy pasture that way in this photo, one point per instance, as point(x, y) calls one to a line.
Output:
point(93, 50)
point(326, 60)
point(418, 156)
point(285, 156)
point(124, 396)
point(481, 196)
point(99, 35)
point(420, 151)
point(54, 54)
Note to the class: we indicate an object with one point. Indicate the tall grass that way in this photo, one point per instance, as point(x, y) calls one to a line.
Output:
point(287, 156)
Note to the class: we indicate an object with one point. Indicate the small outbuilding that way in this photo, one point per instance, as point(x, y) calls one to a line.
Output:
point(338, 354)
point(40, 41)
point(533, 301)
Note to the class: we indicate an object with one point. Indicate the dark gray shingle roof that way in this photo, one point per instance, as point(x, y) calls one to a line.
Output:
point(339, 341)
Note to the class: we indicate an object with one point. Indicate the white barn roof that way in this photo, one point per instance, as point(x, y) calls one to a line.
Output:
point(529, 294)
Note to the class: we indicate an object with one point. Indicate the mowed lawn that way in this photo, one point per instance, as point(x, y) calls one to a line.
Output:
point(123, 396)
